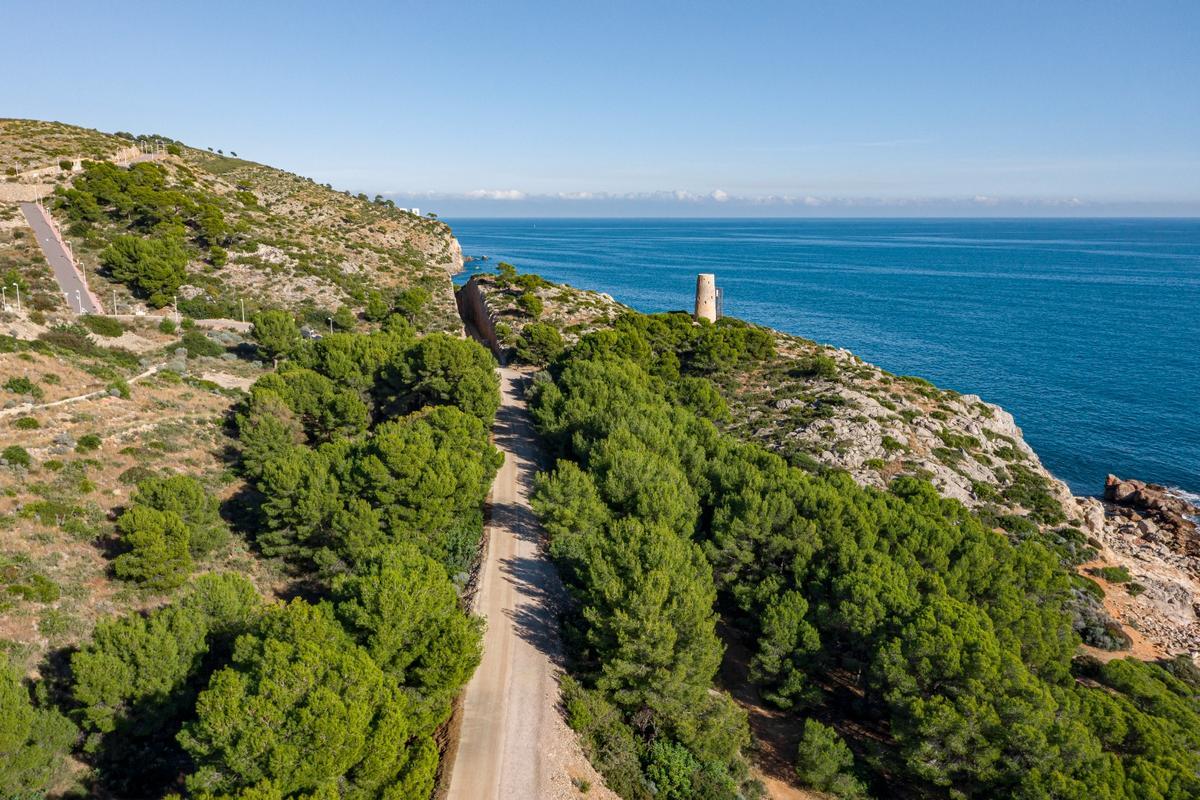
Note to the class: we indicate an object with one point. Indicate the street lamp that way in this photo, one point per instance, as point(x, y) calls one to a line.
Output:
point(4, 296)
point(79, 301)
point(242, 302)
point(18, 288)
point(330, 324)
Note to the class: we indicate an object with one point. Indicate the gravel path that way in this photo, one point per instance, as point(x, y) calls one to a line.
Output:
point(513, 742)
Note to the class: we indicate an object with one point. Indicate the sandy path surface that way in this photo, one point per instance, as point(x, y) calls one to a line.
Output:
point(513, 742)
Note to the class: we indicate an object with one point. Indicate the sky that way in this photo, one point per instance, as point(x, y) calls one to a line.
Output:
point(583, 108)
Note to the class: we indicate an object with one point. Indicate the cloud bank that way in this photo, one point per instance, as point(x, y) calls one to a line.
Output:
point(718, 202)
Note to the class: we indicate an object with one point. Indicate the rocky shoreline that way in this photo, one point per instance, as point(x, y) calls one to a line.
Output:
point(1148, 530)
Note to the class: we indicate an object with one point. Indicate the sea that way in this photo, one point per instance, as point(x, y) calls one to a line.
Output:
point(1086, 330)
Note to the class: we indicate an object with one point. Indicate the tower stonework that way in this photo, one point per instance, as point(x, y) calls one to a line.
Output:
point(706, 296)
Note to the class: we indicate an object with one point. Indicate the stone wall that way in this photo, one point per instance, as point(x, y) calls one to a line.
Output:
point(476, 315)
point(23, 192)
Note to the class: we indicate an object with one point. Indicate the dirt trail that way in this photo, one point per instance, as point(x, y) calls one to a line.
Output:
point(513, 741)
point(28, 408)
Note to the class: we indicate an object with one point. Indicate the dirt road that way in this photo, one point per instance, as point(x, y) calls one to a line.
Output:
point(513, 743)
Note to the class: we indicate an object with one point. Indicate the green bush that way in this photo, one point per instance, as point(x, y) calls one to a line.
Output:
point(121, 387)
point(816, 366)
point(87, 443)
point(16, 456)
point(531, 304)
point(22, 385)
point(102, 326)
point(167, 326)
point(198, 345)
point(1112, 574)
point(26, 423)
point(136, 474)
point(411, 303)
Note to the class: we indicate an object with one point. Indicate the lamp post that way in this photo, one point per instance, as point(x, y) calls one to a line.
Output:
point(18, 289)
point(242, 302)
point(4, 296)
point(330, 324)
point(78, 301)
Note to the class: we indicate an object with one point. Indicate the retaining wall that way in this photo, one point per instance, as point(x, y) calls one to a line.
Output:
point(477, 316)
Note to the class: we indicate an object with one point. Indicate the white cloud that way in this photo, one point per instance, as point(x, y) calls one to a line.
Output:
point(496, 194)
point(719, 195)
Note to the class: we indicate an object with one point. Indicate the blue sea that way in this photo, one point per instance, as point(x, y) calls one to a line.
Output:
point(1088, 331)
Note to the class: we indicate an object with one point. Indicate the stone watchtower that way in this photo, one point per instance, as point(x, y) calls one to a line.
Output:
point(707, 297)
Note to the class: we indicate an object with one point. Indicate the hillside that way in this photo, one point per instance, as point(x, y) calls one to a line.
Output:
point(174, 479)
point(280, 239)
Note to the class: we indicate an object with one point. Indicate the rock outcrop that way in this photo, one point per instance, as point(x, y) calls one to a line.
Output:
point(1153, 513)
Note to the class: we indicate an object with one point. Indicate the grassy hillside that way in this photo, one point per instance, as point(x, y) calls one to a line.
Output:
point(247, 232)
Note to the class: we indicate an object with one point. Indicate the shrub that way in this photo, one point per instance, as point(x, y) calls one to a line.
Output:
point(66, 165)
point(121, 387)
point(87, 443)
point(22, 385)
point(531, 304)
point(16, 456)
point(102, 326)
point(344, 319)
point(817, 366)
point(377, 308)
point(167, 326)
point(135, 474)
point(198, 345)
point(1112, 574)
point(174, 149)
point(26, 423)
point(218, 256)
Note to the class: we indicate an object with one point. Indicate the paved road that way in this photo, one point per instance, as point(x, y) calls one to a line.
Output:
point(513, 743)
point(68, 278)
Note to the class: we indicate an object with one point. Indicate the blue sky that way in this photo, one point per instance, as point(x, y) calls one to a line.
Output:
point(589, 108)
